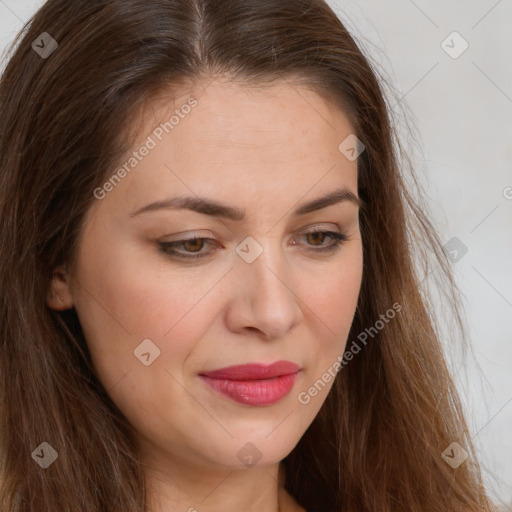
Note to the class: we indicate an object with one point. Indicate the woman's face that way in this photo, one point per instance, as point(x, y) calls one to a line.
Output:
point(263, 289)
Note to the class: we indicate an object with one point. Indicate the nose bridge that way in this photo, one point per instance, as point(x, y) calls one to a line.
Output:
point(266, 279)
point(263, 259)
point(271, 261)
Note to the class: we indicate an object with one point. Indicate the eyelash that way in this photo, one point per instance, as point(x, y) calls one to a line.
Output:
point(169, 247)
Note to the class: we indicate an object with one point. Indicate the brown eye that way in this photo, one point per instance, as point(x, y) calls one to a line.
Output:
point(193, 245)
point(316, 235)
point(191, 248)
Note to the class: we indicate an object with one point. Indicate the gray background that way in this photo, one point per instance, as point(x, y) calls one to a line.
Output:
point(461, 109)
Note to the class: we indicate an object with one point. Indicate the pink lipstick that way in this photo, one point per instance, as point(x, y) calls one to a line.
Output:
point(253, 384)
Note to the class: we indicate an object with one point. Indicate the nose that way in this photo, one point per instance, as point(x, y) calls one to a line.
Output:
point(265, 298)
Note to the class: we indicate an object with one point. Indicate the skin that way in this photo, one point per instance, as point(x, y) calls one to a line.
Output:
point(266, 151)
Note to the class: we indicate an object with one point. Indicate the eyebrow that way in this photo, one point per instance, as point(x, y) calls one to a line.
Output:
point(215, 209)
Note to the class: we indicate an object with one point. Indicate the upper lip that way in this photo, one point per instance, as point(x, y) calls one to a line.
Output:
point(253, 371)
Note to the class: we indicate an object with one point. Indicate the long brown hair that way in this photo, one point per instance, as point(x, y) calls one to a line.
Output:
point(378, 440)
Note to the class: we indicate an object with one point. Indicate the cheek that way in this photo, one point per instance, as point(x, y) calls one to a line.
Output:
point(332, 302)
point(124, 301)
point(332, 295)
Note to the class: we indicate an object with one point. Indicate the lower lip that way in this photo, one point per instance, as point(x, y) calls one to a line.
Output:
point(253, 392)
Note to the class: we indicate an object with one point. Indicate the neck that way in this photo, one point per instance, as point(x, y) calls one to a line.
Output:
point(181, 486)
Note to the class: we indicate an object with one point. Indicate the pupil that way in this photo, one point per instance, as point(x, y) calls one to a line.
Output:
point(316, 235)
point(195, 241)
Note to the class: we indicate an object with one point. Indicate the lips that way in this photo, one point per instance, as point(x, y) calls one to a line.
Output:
point(253, 384)
point(254, 371)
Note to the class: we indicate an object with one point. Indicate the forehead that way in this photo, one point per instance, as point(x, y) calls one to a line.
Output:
point(227, 140)
point(268, 101)
point(243, 117)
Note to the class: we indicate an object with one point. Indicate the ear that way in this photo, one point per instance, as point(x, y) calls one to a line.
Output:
point(59, 295)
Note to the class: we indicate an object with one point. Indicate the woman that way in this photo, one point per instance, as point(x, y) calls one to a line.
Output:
point(209, 293)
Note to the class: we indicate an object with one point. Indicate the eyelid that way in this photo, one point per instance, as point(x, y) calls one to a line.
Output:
point(189, 235)
point(197, 234)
